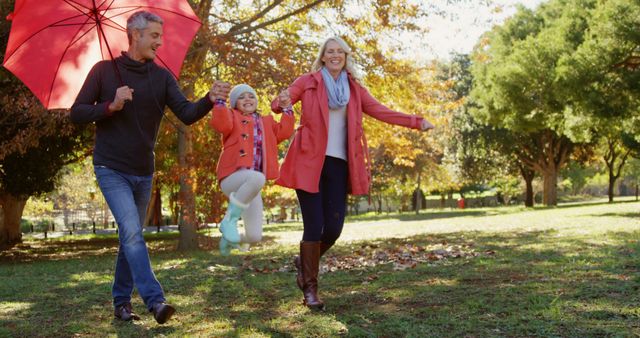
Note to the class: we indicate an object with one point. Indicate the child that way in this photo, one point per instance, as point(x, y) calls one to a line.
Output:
point(249, 157)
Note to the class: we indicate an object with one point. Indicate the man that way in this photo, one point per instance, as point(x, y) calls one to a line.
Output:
point(126, 99)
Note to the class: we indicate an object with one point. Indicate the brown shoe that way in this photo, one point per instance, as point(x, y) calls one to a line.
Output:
point(162, 312)
point(125, 313)
point(324, 247)
point(310, 262)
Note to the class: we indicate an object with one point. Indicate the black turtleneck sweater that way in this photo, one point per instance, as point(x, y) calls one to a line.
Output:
point(125, 139)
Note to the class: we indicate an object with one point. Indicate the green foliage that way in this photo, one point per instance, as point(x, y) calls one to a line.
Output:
point(578, 176)
point(26, 226)
point(42, 225)
point(598, 78)
point(515, 72)
point(36, 171)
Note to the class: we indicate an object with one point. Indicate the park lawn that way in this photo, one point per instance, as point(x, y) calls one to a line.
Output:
point(570, 271)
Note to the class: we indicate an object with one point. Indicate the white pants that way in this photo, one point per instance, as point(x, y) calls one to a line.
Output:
point(246, 184)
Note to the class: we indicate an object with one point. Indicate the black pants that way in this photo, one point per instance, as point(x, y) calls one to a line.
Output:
point(323, 212)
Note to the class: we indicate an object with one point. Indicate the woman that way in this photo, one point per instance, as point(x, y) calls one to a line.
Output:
point(328, 156)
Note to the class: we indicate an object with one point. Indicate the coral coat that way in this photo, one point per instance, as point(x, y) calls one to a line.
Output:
point(237, 140)
point(304, 160)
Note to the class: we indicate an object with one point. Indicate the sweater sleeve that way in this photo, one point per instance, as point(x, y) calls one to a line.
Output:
point(188, 112)
point(86, 108)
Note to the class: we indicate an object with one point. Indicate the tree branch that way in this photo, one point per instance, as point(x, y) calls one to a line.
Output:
point(254, 18)
point(250, 29)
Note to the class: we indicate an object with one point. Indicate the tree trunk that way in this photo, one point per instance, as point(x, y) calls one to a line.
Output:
point(194, 65)
point(528, 195)
point(11, 209)
point(187, 222)
point(154, 210)
point(546, 152)
point(528, 175)
point(418, 196)
point(550, 183)
point(614, 152)
point(612, 183)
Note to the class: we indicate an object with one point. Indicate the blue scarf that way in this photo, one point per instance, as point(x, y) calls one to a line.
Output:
point(337, 90)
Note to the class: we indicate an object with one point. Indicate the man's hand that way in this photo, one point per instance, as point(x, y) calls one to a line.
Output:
point(284, 100)
point(123, 94)
point(426, 125)
point(219, 90)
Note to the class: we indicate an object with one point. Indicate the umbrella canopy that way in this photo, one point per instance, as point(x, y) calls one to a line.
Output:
point(54, 43)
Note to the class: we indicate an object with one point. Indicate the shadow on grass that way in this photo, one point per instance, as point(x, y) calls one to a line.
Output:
point(423, 215)
point(621, 214)
point(431, 214)
point(534, 285)
point(282, 227)
point(72, 247)
point(587, 203)
point(519, 284)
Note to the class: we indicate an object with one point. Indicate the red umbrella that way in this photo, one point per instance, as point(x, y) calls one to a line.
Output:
point(54, 43)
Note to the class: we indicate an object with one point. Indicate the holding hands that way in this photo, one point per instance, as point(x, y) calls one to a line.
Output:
point(284, 100)
point(219, 90)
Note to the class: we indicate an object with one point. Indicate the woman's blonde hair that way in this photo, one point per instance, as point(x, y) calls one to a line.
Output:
point(349, 65)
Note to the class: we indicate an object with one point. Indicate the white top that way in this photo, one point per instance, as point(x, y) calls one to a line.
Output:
point(337, 142)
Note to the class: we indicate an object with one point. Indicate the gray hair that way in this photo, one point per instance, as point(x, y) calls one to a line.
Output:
point(349, 65)
point(140, 20)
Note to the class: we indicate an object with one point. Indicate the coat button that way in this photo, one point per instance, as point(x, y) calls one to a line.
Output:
point(245, 136)
point(245, 121)
point(242, 153)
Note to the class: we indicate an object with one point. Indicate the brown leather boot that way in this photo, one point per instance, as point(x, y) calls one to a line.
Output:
point(324, 247)
point(310, 261)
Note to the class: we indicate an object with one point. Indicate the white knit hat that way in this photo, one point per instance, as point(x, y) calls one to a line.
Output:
point(239, 90)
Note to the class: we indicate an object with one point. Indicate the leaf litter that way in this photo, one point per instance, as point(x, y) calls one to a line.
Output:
point(401, 257)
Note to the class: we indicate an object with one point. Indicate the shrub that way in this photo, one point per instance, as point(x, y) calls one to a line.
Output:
point(42, 225)
point(25, 226)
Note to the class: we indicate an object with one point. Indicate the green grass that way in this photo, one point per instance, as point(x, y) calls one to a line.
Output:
point(569, 271)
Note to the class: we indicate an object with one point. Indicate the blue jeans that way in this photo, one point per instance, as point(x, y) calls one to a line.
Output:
point(128, 197)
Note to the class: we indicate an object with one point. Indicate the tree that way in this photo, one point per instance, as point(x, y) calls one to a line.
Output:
point(34, 145)
point(601, 81)
point(615, 156)
point(516, 83)
point(482, 155)
point(34, 172)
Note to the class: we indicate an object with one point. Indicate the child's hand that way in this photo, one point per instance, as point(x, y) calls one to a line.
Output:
point(284, 99)
point(219, 90)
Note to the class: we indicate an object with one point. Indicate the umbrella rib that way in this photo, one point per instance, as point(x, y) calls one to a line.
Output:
point(55, 74)
point(55, 24)
point(72, 3)
point(156, 8)
point(84, 10)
